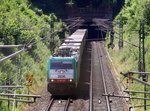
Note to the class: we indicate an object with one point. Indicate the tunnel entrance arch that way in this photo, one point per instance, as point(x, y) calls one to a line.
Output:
point(94, 19)
point(94, 33)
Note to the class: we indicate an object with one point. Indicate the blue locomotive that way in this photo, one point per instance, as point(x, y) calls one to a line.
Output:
point(64, 65)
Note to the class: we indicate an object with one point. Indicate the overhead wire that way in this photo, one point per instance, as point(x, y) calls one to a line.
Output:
point(29, 45)
point(123, 40)
point(25, 48)
point(107, 25)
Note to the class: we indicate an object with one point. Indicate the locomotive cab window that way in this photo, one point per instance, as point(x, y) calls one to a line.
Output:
point(61, 65)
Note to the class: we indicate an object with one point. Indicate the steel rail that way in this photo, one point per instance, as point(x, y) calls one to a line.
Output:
point(91, 86)
point(67, 105)
point(50, 104)
point(103, 77)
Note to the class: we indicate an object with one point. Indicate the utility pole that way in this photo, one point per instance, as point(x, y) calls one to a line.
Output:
point(111, 44)
point(120, 44)
point(52, 23)
point(141, 67)
point(141, 64)
point(52, 33)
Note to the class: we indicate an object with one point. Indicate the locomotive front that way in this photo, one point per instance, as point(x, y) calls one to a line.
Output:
point(61, 75)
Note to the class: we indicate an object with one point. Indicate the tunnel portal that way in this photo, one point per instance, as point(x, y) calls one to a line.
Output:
point(94, 33)
point(96, 20)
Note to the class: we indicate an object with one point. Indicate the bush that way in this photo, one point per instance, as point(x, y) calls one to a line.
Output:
point(147, 12)
point(19, 24)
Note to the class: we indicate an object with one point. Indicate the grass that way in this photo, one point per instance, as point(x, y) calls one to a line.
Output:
point(126, 60)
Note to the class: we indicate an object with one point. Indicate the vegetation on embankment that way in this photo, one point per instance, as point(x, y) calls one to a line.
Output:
point(126, 59)
point(20, 23)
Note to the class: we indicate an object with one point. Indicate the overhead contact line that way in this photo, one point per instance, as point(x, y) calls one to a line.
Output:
point(25, 48)
point(29, 45)
point(122, 39)
point(106, 25)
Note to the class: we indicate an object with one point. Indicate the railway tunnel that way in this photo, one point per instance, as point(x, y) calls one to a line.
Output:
point(94, 33)
point(96, 20)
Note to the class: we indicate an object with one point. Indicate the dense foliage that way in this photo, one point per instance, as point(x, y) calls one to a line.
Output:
point(133, 13)
point(147, 12)
point(126, 59)
point(20, 23)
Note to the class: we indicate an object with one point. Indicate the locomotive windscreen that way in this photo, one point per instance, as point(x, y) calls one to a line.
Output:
point(61, 65)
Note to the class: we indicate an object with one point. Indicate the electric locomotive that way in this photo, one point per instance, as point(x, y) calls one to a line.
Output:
point(64, 65)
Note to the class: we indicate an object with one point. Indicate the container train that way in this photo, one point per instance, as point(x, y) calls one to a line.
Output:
point(64, 65)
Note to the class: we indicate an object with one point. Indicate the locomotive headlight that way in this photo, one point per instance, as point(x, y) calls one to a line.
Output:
point(70, 80)
point(52, 80)
point(61, 72)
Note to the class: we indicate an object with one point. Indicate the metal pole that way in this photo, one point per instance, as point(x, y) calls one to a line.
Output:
point(20, 95)
point(20, 66)
point(8, 86)
point(52, 33)
point(91, 87)
point(28, 90)
point(140, 72)
point(11, 46)
point(18, 100)
point(120, 44)
point(111, 44)
point(141, 48)
point(122, 96)
point(142, 57)
point(14, 54)
point(136, 92)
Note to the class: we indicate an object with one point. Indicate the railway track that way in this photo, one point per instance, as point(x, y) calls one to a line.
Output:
point(100, 52)
point(98, 81)
point(103, 82)
point(54, 104)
